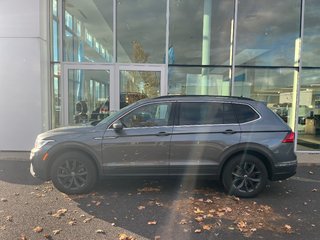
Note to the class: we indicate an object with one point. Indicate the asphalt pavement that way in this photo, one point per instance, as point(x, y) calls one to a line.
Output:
point(156, 208)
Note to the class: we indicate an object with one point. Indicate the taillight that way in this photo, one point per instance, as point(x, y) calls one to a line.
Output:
point(289, 138)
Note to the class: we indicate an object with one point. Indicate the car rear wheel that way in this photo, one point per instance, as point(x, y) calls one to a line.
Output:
point(244, 176)
point(73, 173)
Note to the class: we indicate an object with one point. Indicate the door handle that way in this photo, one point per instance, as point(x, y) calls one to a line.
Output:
point(229, 131)
point(163, 134)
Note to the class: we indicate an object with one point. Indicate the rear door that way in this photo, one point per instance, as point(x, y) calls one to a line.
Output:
point(201, 132)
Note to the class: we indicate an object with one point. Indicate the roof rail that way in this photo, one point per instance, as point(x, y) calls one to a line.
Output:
point(216, 96)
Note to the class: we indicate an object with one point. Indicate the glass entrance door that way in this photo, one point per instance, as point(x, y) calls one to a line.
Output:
point(139, 81)
point(87, 93)
point(92, 91)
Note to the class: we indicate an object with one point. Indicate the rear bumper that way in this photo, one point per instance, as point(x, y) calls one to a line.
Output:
point(284, 170)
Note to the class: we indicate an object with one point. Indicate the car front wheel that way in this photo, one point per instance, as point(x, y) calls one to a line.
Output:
point(73, 173)
point(244, 176)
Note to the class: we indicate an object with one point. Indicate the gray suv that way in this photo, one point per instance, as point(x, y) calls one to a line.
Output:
point(236, 140)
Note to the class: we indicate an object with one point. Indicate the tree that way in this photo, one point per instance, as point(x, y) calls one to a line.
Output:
point(149, 80)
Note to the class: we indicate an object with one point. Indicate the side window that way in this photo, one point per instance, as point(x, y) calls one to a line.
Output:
point(229, 116)
point(200, 113)
point(148, 116)
point(245, 113)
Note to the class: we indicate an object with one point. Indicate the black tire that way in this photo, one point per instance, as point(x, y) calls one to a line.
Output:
point(244, 176)
point(73, 173)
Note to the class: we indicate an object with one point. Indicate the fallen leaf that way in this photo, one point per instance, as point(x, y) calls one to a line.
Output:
point(60, 213)
point(141, 207)
point(242, 226)
point(38, 229)
point(55, 232)
point(72, 222)
point(23, 237)
point(9, 218)
point(87, 220)
point(152, 222)
point(287, 228)
point(207, 227)
point(47, 236)
point(100, 231)
point(159, 204)
point(123, 236)
point(198, 211)
point(199, 219)
point(219, 214)
point(236, 199)
point(183, 222)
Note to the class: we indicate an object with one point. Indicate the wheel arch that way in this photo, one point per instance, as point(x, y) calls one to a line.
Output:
point(259, 151)
point(63, 148)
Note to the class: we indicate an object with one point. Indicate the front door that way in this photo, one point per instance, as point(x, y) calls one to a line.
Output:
point(142, 146)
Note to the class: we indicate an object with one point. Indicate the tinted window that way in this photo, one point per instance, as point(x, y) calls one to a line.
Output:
point(245, 113)
point(205, 113)
point(148, 116)
point(228, 114)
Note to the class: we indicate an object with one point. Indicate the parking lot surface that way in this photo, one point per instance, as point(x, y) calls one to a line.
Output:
point(157, 208)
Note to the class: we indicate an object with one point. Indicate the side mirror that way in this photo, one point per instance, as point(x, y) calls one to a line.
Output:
point(117, 126)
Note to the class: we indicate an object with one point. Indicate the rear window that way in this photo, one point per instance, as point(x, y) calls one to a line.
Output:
point(245, 113)
point(201, 113)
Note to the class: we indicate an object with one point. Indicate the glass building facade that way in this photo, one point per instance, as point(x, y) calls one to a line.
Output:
point(105, 53)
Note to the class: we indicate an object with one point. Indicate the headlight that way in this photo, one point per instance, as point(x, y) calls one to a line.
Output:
point(41, 142)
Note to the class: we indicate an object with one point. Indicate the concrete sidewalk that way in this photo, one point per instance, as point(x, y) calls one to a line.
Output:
point(303, 158)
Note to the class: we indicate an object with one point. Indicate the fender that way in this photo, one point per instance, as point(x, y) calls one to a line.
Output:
point(60, 148)
point(252, 148)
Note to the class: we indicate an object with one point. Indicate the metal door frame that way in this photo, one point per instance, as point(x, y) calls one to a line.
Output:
point(142, 67)
point(65, 81)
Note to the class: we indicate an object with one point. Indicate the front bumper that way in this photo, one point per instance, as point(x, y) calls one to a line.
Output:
point(38, 166)
point(284, 170)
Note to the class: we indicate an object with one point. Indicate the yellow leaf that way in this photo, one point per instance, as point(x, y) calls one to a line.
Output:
point(198, 211)
point(199, 219)
point(123, 236)
point(38, 229)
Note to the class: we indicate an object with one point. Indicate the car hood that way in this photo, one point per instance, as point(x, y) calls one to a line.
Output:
point(67, 131)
